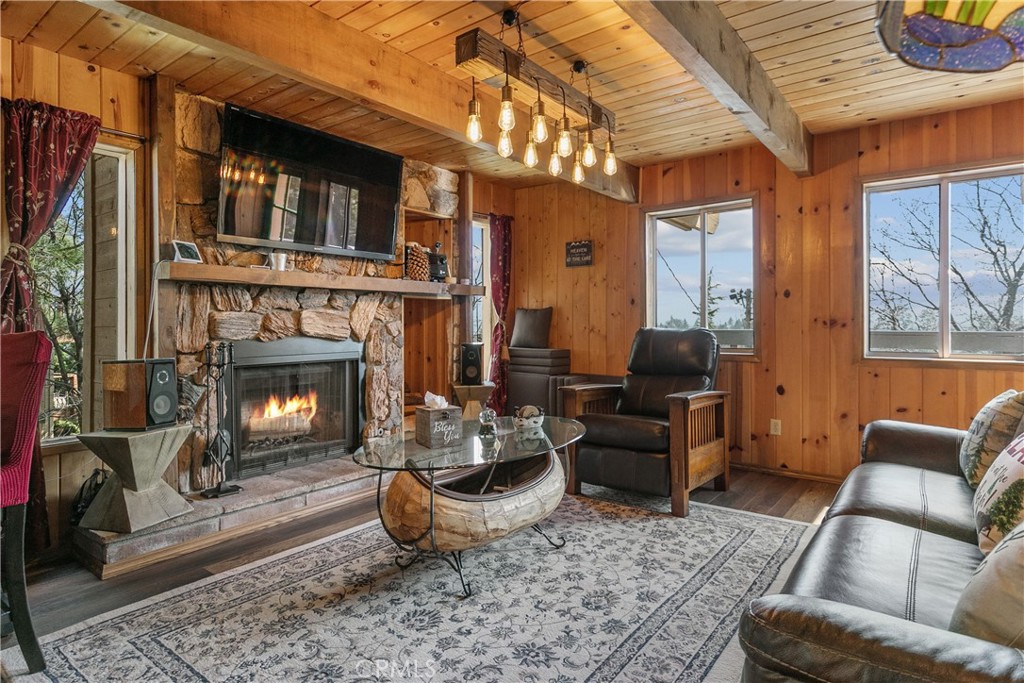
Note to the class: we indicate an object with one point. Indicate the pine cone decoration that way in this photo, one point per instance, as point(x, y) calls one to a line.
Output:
point(417, 265)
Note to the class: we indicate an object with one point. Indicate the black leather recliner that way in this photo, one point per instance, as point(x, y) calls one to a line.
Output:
point(661, 432)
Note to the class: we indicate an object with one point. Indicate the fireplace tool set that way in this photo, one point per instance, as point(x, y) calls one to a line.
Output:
point(218, 359)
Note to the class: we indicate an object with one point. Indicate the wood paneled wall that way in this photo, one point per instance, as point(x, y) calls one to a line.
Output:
point(490, 197)
point(38, 74)
point(809, 372)
point(598, 308)
point(429, 322)
point(118, 99)
point(430, 325)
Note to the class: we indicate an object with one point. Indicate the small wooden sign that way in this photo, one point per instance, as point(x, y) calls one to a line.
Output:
point(579, 253)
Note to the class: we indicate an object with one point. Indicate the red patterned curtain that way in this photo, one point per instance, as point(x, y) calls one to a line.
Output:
point(501, 278)
point(46, 149)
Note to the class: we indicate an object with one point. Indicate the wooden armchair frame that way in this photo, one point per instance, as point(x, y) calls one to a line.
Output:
point(698, 425)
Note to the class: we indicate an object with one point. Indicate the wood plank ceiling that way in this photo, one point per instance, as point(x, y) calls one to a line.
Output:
point(824, 57)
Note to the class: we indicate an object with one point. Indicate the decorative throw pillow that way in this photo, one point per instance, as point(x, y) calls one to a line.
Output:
point(992, 429)
point(990, 606)
point(531, 328)
point(999, 500)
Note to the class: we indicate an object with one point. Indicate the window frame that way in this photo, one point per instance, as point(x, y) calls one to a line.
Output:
point(943, 178)
point(650, 215)
point(130, 219)
point(487, 313)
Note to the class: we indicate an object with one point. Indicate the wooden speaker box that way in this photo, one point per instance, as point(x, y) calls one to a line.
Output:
point(139, 394)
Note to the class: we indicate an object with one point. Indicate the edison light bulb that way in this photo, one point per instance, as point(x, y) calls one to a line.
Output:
point(540, 123)
point(506, 115)
point(577, 169)
point(474, 131)
point(611, 166)
point(530, 157)
point(589, 152)
point(505, 144)
point(564, 139)
point(555, 162)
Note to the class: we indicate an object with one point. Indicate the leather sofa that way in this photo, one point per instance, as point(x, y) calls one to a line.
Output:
point(871, 597)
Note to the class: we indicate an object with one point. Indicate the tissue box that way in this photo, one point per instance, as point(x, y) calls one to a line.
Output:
point(438, 427)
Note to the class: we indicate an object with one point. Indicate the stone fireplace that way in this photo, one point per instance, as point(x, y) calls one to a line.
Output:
point(344, 346)
point(292, 402)
point(268, 317)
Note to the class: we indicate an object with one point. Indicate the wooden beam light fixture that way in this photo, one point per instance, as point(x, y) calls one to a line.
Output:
point(488, 58)
point(494, 62)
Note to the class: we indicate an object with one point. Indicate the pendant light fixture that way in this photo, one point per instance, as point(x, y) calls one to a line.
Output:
point(589, 151)
point(540, 121)
point(555, 162)
point(505, 144)
point(507, 113)
point(489, 57)
point(530, 157)
point(578, 175)
point(474, 131)
point(611, 165)
point(564, 132)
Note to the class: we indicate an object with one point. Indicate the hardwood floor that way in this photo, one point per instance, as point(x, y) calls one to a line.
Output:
point(62, 593)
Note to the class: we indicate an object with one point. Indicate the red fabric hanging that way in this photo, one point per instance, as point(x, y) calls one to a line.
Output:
point(46, 149)
point(501, 279)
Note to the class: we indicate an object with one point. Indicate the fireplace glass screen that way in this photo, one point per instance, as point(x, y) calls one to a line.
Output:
point(292, 414)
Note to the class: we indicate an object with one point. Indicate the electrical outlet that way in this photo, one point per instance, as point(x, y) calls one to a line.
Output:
point(775, 427)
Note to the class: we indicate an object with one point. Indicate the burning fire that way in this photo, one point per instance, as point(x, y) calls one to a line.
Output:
point(296, 405)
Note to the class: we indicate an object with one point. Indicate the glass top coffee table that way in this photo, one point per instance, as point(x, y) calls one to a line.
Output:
point(443, 501)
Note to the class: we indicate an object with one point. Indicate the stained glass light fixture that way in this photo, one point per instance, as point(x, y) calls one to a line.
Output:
point(953, 35)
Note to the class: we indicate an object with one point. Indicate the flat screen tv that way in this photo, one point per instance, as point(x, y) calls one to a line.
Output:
point(289, 187)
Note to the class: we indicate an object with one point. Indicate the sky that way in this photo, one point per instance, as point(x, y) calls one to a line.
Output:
point(730, 256)
point(889, 213)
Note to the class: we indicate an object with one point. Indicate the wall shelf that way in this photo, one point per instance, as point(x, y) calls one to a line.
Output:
point(261, 277)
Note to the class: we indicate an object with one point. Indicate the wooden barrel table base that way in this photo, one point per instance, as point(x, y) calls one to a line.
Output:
point(440, 514)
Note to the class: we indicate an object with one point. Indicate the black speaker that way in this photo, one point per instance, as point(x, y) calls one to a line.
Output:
point(472, 363)
point(140, 394)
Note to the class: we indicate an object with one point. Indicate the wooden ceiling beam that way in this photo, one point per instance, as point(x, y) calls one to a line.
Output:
point(301, 43)
point(700, 38)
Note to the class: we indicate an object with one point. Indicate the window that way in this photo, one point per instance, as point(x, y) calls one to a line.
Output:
point(701, 271)
point(480, 324)
point(84, 292)
point(945, 266)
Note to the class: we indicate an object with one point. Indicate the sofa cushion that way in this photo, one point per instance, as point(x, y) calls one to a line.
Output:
point(991, 607)
point(932, 501)
point(992, 429)
point(999, 500)
point(885, 567)
point(531, 327)
point(626, 431)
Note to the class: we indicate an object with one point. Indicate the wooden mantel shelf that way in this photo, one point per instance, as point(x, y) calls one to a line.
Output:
point(236, 275)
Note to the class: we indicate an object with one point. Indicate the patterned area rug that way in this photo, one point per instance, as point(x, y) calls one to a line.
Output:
point(635, 595)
